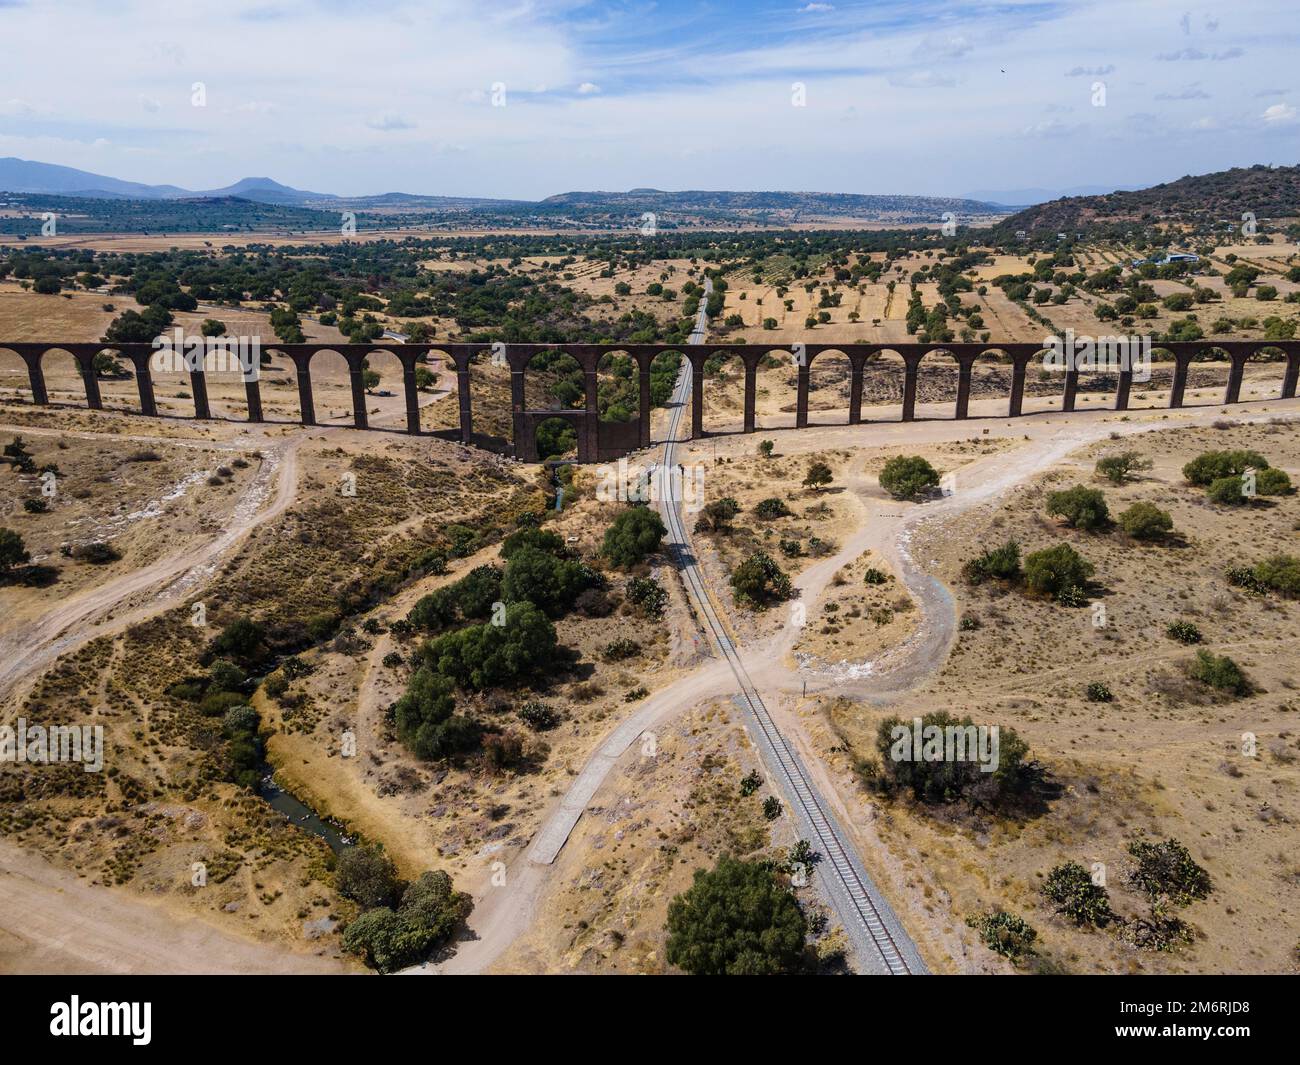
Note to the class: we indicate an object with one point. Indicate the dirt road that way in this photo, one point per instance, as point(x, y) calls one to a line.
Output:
point(55, 923)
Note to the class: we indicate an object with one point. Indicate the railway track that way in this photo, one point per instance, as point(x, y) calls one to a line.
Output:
point(880, 940)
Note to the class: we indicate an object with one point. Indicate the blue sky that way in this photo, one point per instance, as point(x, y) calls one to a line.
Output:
point(524, 98)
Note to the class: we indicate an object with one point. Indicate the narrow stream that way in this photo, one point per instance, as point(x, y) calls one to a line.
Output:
point(300, 813)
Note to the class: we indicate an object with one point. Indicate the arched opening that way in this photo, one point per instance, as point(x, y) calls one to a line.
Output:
point(665, 369)
point(117, 384)
point(830, 381)
point(882, 386)
point(556, 438)
point(776, 388)
point(277, 384)
point(435, 391)
point(331, 387)
point(990, 384)
point(937, 378)
point(1265, 371)
point(618, 390)
point(1207, 377)
point(15, 383)
point(553, 380)
point(724, 392)
point(384, 380)
point(63, 383)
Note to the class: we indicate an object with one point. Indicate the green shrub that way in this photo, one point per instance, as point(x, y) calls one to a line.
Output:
point(1219, 672)
point(759, 581)
point(1183, 632)
point(1099, 692)
point(648, 595)
point(998, 563)
point(736, 919)
point(1279, 573)
point(1227, 491)
point(771, 509)
point(1119, 468)
point(946, 780)
point(1005, 933)
point(366, 875)
point(819, 475)
point(547, 582)
point(538, 716)
point(1167, 870)
point(620, 649)
point(1070, 888)
point(426, 719)
point(1212, 466)
point(490, 656)
point(1058, 571)
point(1080, 506)
point(874, 576)
point(635, 533)
point(1146, 521)
point(538, 539)
point(908, 476)
point(1271, 481)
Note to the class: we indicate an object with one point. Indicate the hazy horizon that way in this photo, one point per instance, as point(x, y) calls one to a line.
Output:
point(539, 98)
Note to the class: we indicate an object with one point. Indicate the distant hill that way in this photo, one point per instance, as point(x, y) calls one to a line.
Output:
point(1268, 192)
point(771, 206)
point(22, 175)
point(1027, 197)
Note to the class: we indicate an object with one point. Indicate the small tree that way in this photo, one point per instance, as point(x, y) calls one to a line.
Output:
point(424, 378)
point(759, 580)
point(367, 876)
point(998, 563)
point(819, 474)
point(211, 327)
point(770, 509)
point(1057, 571)
point(765, 448)
point(635, 533)
point(13, 552)
point(371, 379)
point(736, 919)
point(908, 476)
point(1119, 468)
point(1081, 507)
point(1146, 521)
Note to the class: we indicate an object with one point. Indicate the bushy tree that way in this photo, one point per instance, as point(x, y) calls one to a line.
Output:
point(770, 509)
point(1057, 571)
point(13, 552)
point(1146, 521)
point(242, 640)
point(468, 599)
point(1279, 573)
point(366, 875)
point(736, 919)
point(819, 474)
point(1212, 466)
point(1119, 468)
point(944, 780)
point(759, 580)
point(542, 579)
point(490, 656)
point(1069, 886)
point(426, 718)
point(430, 912)
point(908, 476)
point(1080, 506)
point(1227, 491)
point(635, 533)
point(531, 536)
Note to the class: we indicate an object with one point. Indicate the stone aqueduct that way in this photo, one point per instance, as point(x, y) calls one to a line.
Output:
point(600, 441)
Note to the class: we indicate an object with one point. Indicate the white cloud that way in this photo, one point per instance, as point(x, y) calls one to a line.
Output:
point(817, 7)
point(1279, 114)
point(588, 88)
point(386, 123)
point(922, 79)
